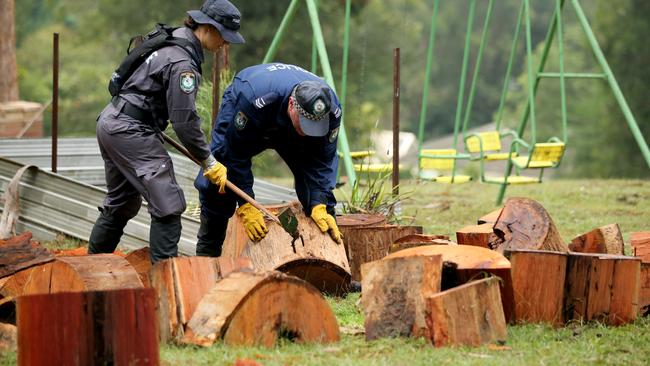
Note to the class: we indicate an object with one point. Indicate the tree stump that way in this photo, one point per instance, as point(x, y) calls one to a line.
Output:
point(644, 292)
point(478, 235)
point(247, 308)
point(394, 292)
point(181, 283)
point(418, 240)
point(602, 287)
point(88, 328)
point(525, 224)
point(468, 315)
point(605, 239)
point(314, 257)
point(538, 280)
point(19, 252)
point(141, 261)
point(465, 263)
point(641, 245)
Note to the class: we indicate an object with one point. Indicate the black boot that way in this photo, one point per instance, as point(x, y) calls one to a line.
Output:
point(106, 233)
point(164, 234)
point(211, 235)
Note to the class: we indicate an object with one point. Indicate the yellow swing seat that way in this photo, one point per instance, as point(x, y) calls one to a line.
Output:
point(437, 165)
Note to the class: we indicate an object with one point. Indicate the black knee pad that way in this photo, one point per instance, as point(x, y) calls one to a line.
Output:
point(164, 234)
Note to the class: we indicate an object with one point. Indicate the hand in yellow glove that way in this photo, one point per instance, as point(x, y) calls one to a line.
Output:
point(253, 221)
point(326, 222)
point(217, 174)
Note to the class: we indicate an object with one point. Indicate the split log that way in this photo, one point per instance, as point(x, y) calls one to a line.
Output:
point(525, 224)
point(394, 292)
point(314, 257)
point(465, 263)
point(360, 220)
point(19, 252)
point(490, 218)
point(73, 274)
point(468, 315)
point(88, 328)
point(418, 240)
point(641, 245)
point(605, 239)
point(602, 287)
point(644, 292)
point(248, 308)
point(181, 283)
point(370, 243)
point(478, 235)
point(8, 338)
point(538, 280)
point(141, 261)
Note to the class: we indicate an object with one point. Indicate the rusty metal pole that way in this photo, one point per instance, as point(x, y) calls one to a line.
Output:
point(396, 92)
point(55, 101)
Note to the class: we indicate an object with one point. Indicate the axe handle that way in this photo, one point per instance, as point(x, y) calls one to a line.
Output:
point(229, 184)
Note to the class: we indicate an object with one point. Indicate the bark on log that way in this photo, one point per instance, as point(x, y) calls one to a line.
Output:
point(538, 280)
point(370, 243)
point(8, 66)
point(8, 338)
point(248, 308)
point(602, 287)
point(478, 235)
point(605, 239)
point(141, 261)
point(641, 245)
point(418, 240)
point(490, 218)
point(314, 257)
point(468, 315)
point(394, 292)
point(88, 328)
point(19, 253)
point(181, 283)
point(525, 224)
point(465, 263)
point(644, 292)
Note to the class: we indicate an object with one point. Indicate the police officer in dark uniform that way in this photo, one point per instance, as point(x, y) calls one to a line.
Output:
point(281, 107)
point(162, 88)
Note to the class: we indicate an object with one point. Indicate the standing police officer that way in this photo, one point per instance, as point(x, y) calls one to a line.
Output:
point(281, 107)
point(162, 88)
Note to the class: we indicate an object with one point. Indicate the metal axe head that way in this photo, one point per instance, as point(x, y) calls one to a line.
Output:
point(289, 222)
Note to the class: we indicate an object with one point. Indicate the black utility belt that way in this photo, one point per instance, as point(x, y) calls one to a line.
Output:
point(135, 112)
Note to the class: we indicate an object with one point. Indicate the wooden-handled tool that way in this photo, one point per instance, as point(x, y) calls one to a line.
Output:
point(229, 184)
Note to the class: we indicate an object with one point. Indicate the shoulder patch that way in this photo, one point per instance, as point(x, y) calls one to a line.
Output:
point(333, 135)
point(265, 100)
point(240, 121)
point(337, 112)
point(188, 82)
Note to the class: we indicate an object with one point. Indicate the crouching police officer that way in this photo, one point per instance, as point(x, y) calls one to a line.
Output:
point(162, 88)
point(281, 107)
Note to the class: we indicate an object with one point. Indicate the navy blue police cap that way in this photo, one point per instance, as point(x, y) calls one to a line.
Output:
point(223, 15)
point(313, 105)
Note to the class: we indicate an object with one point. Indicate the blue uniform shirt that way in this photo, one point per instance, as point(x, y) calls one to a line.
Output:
point(253, 117)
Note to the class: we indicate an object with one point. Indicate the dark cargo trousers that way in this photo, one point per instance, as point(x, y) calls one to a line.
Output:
point(136, 165)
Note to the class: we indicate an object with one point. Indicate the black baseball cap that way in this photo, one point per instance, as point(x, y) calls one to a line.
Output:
point(313, 105)
point(223, 15)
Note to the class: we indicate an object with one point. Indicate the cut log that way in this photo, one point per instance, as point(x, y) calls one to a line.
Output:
point(248, 308)
point(641, 245)
point(525, 224)
point(314, 257)
point(72, 274)
point(464, 263)
point(602, 287)
point(141, 261)
point(478, 235)
point(88, 328)
point(644, 292)
point(370, 243)
point(490, 218)
point(181, 283)
point(19, 252)
point(360, 220)
point(538, 280)
point(605, 239)
point(8, 338)
point(468, 315)
point(394, 292)
point(418, 240)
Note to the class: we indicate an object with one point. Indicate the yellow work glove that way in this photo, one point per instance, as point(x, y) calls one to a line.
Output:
point(253, 221)
point(326, 222)
point(217, 174)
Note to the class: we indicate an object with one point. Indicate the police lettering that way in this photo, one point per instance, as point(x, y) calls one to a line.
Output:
point(148, 60)
point(279, 66)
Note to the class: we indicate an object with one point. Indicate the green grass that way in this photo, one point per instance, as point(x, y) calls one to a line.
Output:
point(576, 207)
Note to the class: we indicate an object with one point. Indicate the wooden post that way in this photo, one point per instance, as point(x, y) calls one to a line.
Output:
point(88, 328)
point(396, 96)
point(55, 101)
